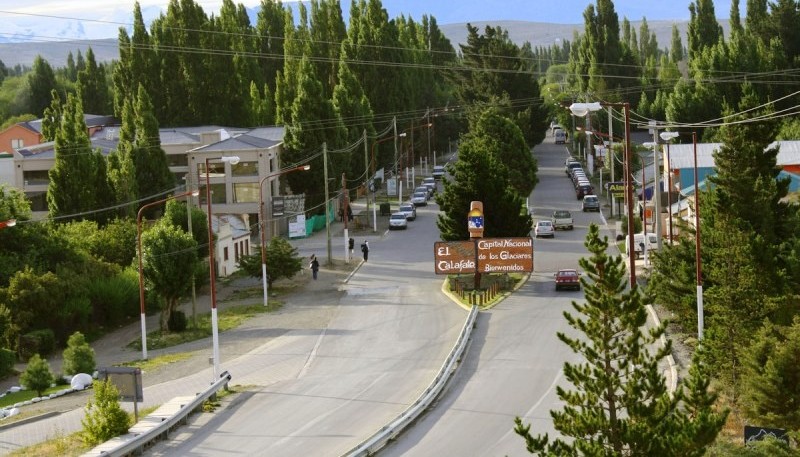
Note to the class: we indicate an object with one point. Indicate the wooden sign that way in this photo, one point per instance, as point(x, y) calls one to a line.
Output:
point(505, 255)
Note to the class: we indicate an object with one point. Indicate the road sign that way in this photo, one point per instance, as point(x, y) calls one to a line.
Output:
point(485, 255)
point(617, 189)
point(505, 255)
point(454, 257)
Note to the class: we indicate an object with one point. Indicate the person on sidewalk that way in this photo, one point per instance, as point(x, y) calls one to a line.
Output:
point(314, 265)
point(365, 250)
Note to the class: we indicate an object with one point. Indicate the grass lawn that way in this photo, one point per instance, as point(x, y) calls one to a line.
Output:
point(25, 395)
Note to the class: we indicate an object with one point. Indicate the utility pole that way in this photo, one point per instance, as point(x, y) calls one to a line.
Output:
point(366, 169)
point(346, 211)
point(327, 200)
point(189, 227)
point(611, 154)
point(394, 125)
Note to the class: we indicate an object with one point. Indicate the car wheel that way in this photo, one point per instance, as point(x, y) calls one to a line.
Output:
point(571, 227)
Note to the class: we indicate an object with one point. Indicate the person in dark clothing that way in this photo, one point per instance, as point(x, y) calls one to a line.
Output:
point(349, 214)
point(365, 250)
point(314, 265)
point(352, 245)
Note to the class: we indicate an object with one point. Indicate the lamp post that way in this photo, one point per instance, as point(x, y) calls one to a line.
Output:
point(581, 110)
point(698, 270)
point(667, 136)
point(8, 223)
point(233, 160)
point(263, 224)
point(193, 193)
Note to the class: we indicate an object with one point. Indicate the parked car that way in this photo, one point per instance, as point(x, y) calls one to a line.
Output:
point(409, 210)
point(591, 203)
point(570, 165)
point(438, 171)
point(430, 183)
point(583, 189)
point(568, 279)
point(544, 228)
point(562, 220)
point(424, 190)
point(397, 221)
point(420, 198)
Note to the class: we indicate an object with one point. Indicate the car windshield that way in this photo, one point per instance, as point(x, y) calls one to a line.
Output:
point(591, 199)
point(561, 214)
point(406, 208)
point(567, 273)
point(544, 223)
point(398, 216)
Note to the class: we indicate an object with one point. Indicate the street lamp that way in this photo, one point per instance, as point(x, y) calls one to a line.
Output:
point(581, 110)
point(193, 193)
point(263, 225)
point(667, 136)
point(233, 160)
point(8, 223)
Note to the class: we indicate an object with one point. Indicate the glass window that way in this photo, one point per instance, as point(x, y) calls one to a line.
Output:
point(217, 193)
point(17, 143)
point(177, 160)
point(225, 253)
point(245, 192)
point(35, 177)
point(38, 201)
point(217, 169)
point(245, 169)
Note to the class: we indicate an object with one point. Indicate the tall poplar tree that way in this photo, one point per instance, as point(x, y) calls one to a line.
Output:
point(704, 30)
point(41, 82)
point(92, 86)
point(121, 169)
point(270, 30)
point(153, 176)
point(620, 404)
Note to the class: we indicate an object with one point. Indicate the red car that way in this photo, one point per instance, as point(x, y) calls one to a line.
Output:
point(568, 279)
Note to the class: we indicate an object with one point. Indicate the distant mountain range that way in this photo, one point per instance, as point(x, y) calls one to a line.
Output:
point(537, 33)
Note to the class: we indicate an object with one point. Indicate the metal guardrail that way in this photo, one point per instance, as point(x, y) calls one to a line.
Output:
point(394, 428)
point(134, 443)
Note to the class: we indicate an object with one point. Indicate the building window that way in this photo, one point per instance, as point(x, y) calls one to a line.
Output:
point(245, 169)
point(225, 253)
point(217, 169)
point(217, 193)
point(17, 143)
point(245, 192)
point(177, 160)
point(236, 252)
point(38, 201)
point(35, 177)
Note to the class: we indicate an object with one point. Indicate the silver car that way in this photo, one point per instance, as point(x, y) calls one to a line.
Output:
point(409, 210)
point(544, 229)
point(397, 221)
point(420, 199)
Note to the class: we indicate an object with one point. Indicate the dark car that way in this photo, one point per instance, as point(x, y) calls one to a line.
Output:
point(583, 189)
point(568, 279)
point(591, 203)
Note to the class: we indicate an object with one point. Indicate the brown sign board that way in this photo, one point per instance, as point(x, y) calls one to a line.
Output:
point(484, 255)
point(505, 255)
point(454, 257)
point(617, 189)
point(128, 380)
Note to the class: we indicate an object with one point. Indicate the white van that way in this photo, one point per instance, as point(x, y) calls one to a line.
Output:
point(638, 243)
point(560, 135)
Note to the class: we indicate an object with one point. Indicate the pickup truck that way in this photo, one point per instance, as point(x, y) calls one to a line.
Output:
point(562, 220)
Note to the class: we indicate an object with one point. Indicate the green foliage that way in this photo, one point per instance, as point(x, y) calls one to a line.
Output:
point(620, 404)
point(169, 259)
point(78, 356)
point(114, 299)
point(40, 342)
point(177, 321)
point(772, 377)
point(7, 360)
point(41, 81)
point(37, 375)
point(283, 261)
point(477, 176)
point(176, 214)
point(104, 418)
point(16, 120)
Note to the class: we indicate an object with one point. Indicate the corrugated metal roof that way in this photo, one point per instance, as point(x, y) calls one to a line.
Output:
point(239, 143)
point(682, 155)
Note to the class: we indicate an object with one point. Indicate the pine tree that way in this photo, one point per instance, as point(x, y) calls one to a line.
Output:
point(78, 356)
point(620, 404)
point(104, 418)
point(37, 375)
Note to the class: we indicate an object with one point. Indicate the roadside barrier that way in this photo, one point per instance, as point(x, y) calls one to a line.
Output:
point(158, 424)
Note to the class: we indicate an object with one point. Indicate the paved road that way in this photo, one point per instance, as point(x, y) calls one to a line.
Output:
point(321, 393)
point(515, 359)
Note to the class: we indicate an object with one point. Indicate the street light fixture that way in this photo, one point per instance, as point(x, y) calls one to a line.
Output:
point(581, 110)
point(263, 225)
point(193, 193)
point(233, 160)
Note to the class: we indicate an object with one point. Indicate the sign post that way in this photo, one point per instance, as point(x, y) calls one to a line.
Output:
point(475, 227)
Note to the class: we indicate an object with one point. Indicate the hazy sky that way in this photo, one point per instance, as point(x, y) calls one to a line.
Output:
point(25, 14)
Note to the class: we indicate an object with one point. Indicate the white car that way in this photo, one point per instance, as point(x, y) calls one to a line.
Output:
point(420, 199)
point(409, 210)
point(544, 229)
point(430, 183)
point(397, 221)
point(438, 171)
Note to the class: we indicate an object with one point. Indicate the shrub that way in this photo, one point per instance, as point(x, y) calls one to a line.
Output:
point(78, 356)
point(115, 299)
point(7, 359)
point(37, 375)
point(40, 342)
point(104, 417)
point(177, 321)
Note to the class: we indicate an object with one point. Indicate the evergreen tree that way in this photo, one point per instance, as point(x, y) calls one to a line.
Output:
point(620, 404)
point(283, 261)
point(51, 120)
point(37, 375)
point(41, 82)
point(78, 356)
point(478, 176)
point(153, 176)
point(92, 86)
point(353, 108)
point(676, 47)
point(270, 29)
point(121, 169)
point(104, 418)
point(704, 30)
point(68, 193)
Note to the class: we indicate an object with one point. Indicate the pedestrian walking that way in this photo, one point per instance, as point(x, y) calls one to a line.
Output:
point(314, 265)
point(365, 250)
point(351, 244)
